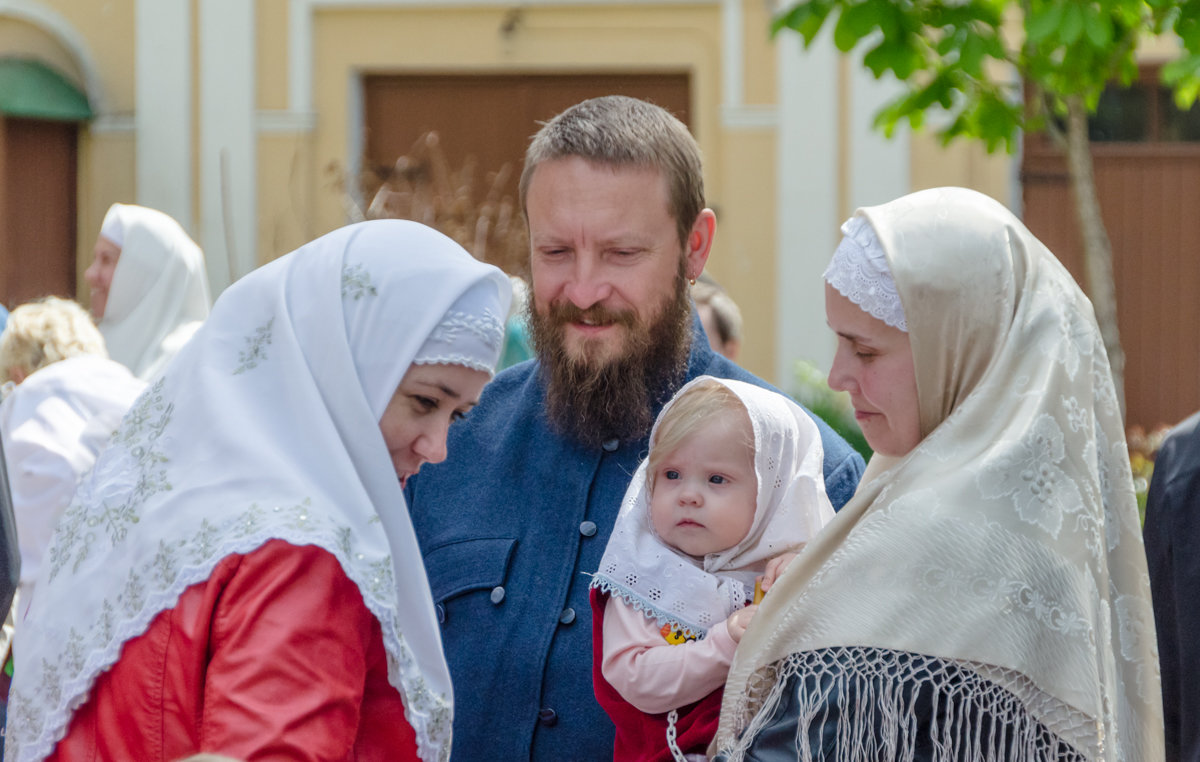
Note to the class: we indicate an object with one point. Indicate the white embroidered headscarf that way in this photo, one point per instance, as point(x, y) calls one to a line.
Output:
point(54, 424)
point(1006, 545)
point(265, 426)
point(669, 585)
point(159, 293)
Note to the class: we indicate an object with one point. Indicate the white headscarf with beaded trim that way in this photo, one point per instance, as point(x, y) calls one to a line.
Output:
point(266, 426)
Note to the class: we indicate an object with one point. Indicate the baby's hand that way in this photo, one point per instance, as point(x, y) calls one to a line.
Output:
point(775, 567)
point(738, 621)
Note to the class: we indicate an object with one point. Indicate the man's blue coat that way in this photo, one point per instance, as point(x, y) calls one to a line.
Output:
point(511, 526)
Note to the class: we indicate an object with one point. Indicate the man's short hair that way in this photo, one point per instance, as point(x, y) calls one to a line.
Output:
point(45, 331)
point(620, 131)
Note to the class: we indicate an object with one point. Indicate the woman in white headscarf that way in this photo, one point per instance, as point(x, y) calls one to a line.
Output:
point(984, 594)
point(149, 290)
point(239, 574)
point(68, 401)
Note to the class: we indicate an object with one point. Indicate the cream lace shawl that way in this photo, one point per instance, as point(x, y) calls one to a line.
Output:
point(1007, 542)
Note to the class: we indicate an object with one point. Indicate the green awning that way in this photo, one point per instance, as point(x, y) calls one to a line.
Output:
point(32, 90)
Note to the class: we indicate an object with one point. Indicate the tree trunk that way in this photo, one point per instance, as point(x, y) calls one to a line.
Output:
point(1097, 249)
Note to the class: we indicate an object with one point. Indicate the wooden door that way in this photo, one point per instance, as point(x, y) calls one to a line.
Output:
point(1146, 155)
point(37, 209)
point(488, 119)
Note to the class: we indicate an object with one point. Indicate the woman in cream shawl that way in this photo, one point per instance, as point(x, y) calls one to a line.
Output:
point(984, 594)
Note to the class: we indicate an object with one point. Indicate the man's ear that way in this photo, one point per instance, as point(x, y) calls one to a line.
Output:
point(699, 242)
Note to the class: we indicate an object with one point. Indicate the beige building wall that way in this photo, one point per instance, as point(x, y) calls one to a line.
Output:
point(65, 36)
point(292, 122)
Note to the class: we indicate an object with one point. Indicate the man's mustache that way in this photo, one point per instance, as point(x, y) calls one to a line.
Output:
point(567, 312)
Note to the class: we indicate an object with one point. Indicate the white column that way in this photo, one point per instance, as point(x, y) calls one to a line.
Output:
point(808, 199)
point(879, 166)
point(228, 148)
point(163, 61)
point(732, 43)
point(300, 73)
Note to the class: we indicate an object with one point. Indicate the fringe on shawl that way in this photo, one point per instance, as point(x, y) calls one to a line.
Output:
point(890, 705)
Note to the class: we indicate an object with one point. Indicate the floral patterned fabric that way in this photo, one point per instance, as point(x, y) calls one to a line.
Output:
point(1007, 541)
point(266, 426)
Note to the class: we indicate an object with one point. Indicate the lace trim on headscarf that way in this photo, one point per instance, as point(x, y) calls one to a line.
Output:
point(96, 647)
point(472, 339)
point(637, 603)
point(975, 712)
point(859, 271)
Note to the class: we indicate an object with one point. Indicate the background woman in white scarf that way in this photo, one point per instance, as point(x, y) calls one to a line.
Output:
point(68, 401)
point(239, 573)
point(984, 594)
point(149, 289)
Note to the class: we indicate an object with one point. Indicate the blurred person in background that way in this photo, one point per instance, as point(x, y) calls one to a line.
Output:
point(720, 316)
point(64, 399)
point(518, 347)
point(1172, 536)
point(149, 289)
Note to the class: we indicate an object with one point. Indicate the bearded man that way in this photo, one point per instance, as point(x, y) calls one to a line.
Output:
point(514, 522)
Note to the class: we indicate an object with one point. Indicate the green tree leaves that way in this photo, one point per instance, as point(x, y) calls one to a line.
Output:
point(957, 55)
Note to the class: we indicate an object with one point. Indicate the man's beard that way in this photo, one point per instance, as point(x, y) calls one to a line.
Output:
point(593, 400)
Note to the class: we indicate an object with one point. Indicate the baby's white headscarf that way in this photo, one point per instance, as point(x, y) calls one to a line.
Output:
point(672, 587)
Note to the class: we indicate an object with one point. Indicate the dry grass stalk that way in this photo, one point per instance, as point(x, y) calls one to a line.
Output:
point(422, 186)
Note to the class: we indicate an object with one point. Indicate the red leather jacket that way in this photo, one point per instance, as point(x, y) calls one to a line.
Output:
point(274, 657)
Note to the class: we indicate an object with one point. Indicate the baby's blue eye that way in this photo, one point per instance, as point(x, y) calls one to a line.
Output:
point(717, 479)
point(671, 473)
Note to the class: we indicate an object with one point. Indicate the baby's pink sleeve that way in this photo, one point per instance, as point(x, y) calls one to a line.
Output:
point(653, 675)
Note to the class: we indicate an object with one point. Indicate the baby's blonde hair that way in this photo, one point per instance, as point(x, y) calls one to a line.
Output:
point(45, 331)
point(688, 412)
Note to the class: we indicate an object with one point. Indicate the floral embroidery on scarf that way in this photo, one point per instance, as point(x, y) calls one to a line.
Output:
point(1073, 340)
point(356, 283)
point(1079, 418)
point(1135, 630)
point(172, 568)
point(1028, 473)
point(133, 450)
point(256, 348)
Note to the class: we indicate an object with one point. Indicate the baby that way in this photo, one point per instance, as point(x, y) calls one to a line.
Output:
point(731, 489)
